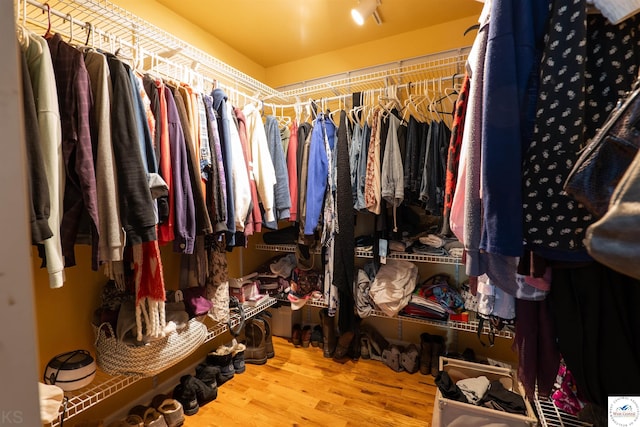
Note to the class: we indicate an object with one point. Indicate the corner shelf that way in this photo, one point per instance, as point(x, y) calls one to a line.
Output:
point(437, 259)
point(550, 416)
point(105, 385)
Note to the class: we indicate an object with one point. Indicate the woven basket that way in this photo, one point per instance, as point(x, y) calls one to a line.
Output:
point(115, 357)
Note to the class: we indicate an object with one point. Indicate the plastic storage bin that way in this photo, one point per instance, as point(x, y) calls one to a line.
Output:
point(451, 413)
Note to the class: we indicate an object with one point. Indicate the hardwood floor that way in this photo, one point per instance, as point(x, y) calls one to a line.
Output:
point(299, 387)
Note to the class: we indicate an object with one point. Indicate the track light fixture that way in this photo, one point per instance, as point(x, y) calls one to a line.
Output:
point(365, 9)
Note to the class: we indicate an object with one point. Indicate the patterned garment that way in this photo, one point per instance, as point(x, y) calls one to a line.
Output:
point(455, 144)
point(587, 65)
point(372, 183)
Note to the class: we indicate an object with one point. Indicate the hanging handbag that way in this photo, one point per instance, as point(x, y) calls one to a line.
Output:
point(614, 240)
point(606, 157)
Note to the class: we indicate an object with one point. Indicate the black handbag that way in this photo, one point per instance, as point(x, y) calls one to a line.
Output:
point(607, 156)
point(614, 240)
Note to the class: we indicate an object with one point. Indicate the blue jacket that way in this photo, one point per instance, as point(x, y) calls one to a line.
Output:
point(515, 33)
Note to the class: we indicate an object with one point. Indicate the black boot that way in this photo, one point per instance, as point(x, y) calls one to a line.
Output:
point(222, 359)
point(425, 353)
point(328, 333)
point(255, 333)
point(437, 350)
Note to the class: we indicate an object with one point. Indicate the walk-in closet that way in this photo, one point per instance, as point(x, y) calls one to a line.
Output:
point(351, 212)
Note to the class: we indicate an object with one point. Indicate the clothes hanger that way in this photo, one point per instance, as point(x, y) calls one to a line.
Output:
point(47, 33)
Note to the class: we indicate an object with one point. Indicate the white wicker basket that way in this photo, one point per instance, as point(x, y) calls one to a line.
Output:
point(116, 357)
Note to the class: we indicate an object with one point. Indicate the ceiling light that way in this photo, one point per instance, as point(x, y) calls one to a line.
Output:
point(365, 9)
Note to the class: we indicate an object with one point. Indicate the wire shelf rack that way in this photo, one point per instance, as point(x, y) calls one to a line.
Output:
point(550, 416)
point(105, 385)
point(437, 259)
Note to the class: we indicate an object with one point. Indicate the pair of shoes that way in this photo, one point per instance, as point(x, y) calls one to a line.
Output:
point(149, 416)
point(170, 409)
point(316, 336)
point(431, 348)
point(193, 393)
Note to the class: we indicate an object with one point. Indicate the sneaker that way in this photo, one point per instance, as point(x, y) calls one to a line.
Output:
point(185, 393)
point(170, 409)
point(149, 415)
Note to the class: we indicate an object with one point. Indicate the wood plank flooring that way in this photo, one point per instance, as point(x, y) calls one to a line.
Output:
point(299, 387)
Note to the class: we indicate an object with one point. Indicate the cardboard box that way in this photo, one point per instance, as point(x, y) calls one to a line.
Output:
point(447, 412)
point(283, 319)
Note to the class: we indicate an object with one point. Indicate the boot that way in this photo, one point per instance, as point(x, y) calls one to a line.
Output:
point(425, 353)
point(377, 343)
point(306, 336)
point(437, 350)
point(341, 353)
point(268, 340)
point(222, 359)
point(254, 332)
point(328, 333)
point(237, 358)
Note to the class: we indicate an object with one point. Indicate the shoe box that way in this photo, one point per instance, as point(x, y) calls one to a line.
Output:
point(447, 412)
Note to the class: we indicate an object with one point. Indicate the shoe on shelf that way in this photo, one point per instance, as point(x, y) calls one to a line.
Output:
point(296, 335)
point(306, 336)
point(149, 415)
point(185, 393)
point(170, 409)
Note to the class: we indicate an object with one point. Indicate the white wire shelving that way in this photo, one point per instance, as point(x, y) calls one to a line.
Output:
point(550, 416)
point(105, 385)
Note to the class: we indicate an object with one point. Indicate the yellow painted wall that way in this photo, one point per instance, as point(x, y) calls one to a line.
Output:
point(438, 38)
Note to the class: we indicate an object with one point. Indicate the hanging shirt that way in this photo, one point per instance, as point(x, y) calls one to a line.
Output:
point(45, 93)
point(292, 170)
point(75, 102)
point(217, 184)
point(281, 192)
point(224, 126)
point(241, 187)
point(264, 173)
point(254, 218)
point(392, 176)
point(111, 245)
